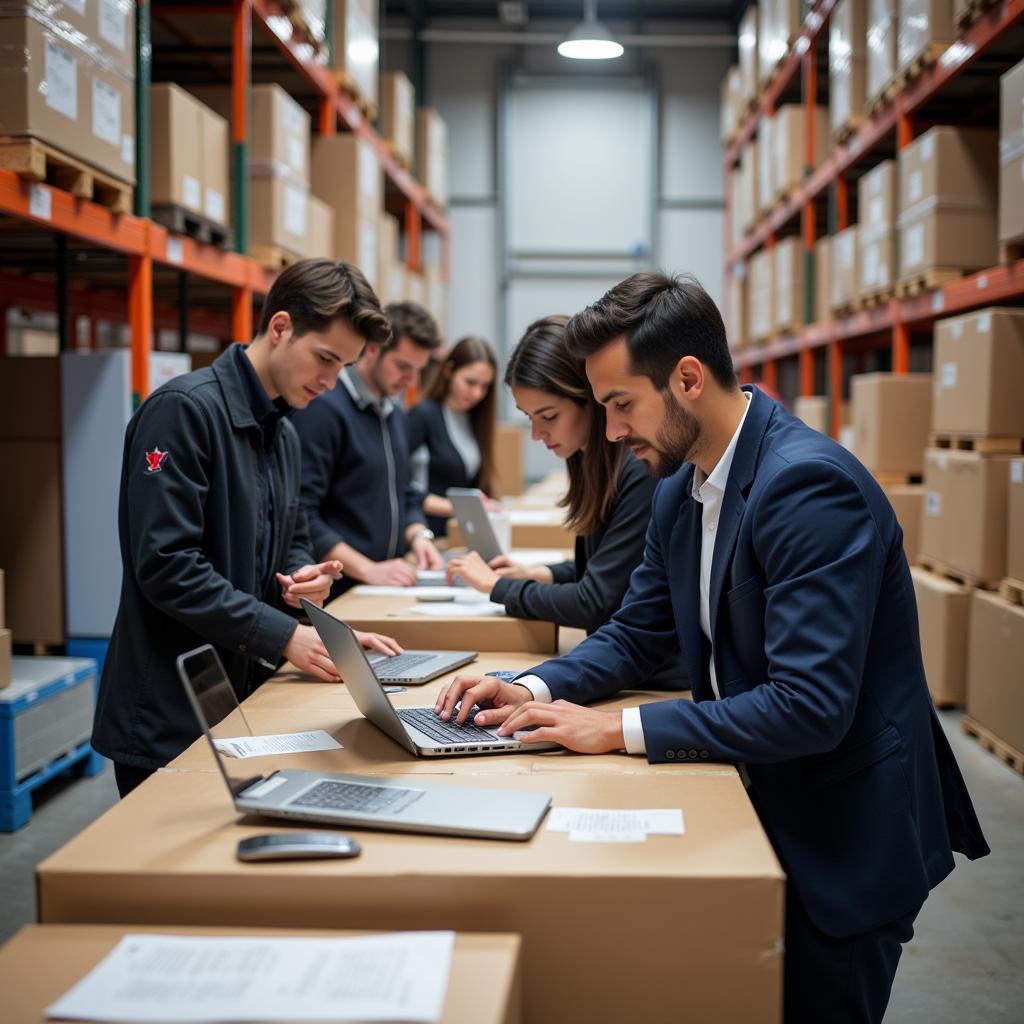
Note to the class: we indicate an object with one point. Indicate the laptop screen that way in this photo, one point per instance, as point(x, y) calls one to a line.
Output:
point(217, 710)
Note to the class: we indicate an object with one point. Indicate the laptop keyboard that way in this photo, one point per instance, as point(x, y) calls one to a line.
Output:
point(437, 728)
point(351, 796)
point(400, 665)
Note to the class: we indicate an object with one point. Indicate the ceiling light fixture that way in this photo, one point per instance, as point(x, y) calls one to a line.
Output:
point(590, 39)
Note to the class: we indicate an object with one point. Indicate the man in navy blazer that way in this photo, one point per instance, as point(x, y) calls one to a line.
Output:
point(775, 563)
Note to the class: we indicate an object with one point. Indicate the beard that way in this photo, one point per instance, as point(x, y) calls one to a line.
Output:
point(675, 440)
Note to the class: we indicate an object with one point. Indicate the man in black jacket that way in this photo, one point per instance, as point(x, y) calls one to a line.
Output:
point(356, 483)
point(214, 544)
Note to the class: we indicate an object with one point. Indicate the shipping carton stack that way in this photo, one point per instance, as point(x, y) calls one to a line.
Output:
point(749, 192)
point(357, 51)
point(432, 155)
point(748, 49)
point(390, 268)
point(813, 410)
point(765, 166)
point(778, 26)
point(67, 111)
point(310, 18)
point(881, 51)
point(843, 265)
point(947, 217)
point(1011, 165)
point(762, 295)
point(977, 426)
point(737, 324)
point(847, 59)
point(823, 279)
point(876, 263)
point(732, 109)
point(788, 142)
point(790, 286)
point(398, 116)
point(924, 30)
point(319, 230)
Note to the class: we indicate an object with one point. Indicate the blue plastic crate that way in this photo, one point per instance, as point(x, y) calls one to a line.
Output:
point(45, 724)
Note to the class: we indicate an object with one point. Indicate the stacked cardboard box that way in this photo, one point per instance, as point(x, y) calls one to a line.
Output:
point(907, 501)
point(779, 23)
point(398, 114)
point(734, 213)
point(813, 410)
point(737, 324)
point(790, 287)
point(843, 267)
point(748, 49)
point(891, 418)
point(1015, 526)
point(357, 46)
point(390, 275)
point(876, 193)
point(847, 59)
point(789, 145)
point(432, 154)
point(765, 165)
point(319, 230)
point(1011, 157)
point(67, 78)
point(925, 29)
point(881, 48)
point(947, 218)
point(823, 279)
point(347, 177)
point(732, 107)
point(5, 641)
point(943, 612)
point(762, 295)
point(749, 192)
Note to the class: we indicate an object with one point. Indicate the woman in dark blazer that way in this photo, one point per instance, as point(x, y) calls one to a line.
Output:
point(608, 503)
point(451, 432)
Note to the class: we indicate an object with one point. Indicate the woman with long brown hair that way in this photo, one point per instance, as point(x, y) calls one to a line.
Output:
point(451, 431)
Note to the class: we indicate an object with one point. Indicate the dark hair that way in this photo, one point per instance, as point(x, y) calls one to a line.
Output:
point(315, 293)
point(481, 417)
point(542, 360)
point(410, 320)
point(663, 318)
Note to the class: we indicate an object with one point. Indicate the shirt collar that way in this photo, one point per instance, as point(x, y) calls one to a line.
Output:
point(361, 394)
point(719, 476)
point(260, 404)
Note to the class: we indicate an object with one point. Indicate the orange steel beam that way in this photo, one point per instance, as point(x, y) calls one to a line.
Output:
point(140, 305)
point(327, 116)
point(900, 342)
point(806, 358)
point(835, 370)
point(241, 315)
point(413, 235)
point(770, 375)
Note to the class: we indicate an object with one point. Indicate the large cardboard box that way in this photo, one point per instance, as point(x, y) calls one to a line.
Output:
point(278, 214)
point(398, 114)
point(964, 523)
point(737, 324)
point(979, 366)
point(881, 46)
point(749, 172)
point(176, 147)
point(778, 25)
point(789, 145)
point(1011, 155)
point(766, 165)
point(53, 88)
point(943, 612)
point(762, 295)
point(847, 59)
point(105, 27)
point(892, 414)
point(319, 230)
point(1015, 523)
point(748, 51)
point(813, 410)
point(995, 684)
point(510, 458)
point(357, 44)
point(907, 502)
point(216, 149)
point(844, 267)
point(731, 115)
point(823, 279)
point(947, 213)
point(925, 30)
point(432, 154)
point(876, 200)
point(40, 964)
point(166, 855)
point(790, 287)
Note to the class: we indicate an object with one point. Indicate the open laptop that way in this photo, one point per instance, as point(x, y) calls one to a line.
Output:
point(416, 667)
point(474, 523)
point(352, 801)
point(419, 730)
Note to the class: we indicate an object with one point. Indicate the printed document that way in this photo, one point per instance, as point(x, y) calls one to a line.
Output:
point(594, 825)
point(281, 743)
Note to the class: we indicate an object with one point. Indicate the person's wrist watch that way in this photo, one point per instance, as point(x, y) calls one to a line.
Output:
point(425, 533)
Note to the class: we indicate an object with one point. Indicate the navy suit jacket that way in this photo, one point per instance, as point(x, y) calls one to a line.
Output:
point(818, 661)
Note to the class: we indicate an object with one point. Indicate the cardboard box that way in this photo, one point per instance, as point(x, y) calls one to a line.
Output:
point(847, 58)
point(978, 367)
point(762, 295)
point(1011, 155)
point(964, 525)
point(881, 47)
point(40, 964)
point(995, 685)
point(432, 154)
point(748, 51)
point(737, 325)
point(53, 89)
point(166, 855)
point(5, 658)
point(844, 266)
point(357, 44)
point(766, 165)
point(314, 15)
point(398, 114)
point(925, 29)
point(943, 612)
point(789, 145)
point(823, 279)
point(749, 171)
point(176, 147)
point(216, 178)
point(907, 502)
point(947, 213)
point(788, 312)
point(1015, 523)
point(319, 230)
point(892, 414)
point(779, 22)
point(278, 213)
point(509, 460)
point(813, 410)
point(877, 195)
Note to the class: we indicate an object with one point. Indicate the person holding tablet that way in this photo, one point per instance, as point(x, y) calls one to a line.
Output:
point(451, 432)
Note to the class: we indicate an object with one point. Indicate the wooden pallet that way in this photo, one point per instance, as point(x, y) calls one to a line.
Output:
point(874, 299)
point(273, 257)
point(848, 129)
point(1011, 590)
point(972, 13)
point(955, 575)
point(38, 161)
point(934, 277)
point(402, 159)
point(878, 102)
point(893, 479)
point(977, 443)
point(992, 743)
point(297, 17)
point(921, 63)
point(194, 225)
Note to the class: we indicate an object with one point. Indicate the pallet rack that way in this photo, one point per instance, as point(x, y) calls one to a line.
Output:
point(819, 348)
point(49, 230)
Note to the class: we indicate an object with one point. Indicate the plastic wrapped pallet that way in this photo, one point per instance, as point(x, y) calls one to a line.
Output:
point(876, 201)
point(747, 39)
point(778, 26)
point(789, 143)
point(881, 47)
point(1011, 157)
point(847, 58)
point(925, 29)
point(357, 45)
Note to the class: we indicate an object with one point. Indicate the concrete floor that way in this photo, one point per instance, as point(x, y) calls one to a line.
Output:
point(964, 963)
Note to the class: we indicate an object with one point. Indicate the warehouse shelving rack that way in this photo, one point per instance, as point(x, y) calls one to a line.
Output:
point(819, 348)
point(79, 253)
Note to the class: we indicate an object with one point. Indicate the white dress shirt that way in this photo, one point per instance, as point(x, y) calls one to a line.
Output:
point(709, 490)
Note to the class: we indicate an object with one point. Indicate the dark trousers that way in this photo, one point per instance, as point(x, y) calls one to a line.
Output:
point(127, 777)
point(841, 981)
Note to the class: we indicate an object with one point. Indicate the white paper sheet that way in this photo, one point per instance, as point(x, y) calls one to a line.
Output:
point(458, 609)
point(534, 517)
point(463, 594)
point(597, 825)
point(537, 556)
point(164, 978)
point(281, 743)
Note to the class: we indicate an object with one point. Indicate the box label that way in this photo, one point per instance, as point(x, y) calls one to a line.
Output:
point(61, 81)
point(1017, 471)
point(956, 328)
point(40, 202)
point(106, 113)
point(128, 149)
point(295, 211)
point(984, 323)
point(112, 24)
point(913, 245)
point(876, 211)
point(368, 170)
point(928, 148)
point(297, 154)
point(214, 205)
point(933, 504)
point(191, 194)
point(915, 186)
point(949, 375)
point(78, 6)
point(175, 250)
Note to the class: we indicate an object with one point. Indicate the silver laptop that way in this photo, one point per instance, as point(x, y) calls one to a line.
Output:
point(352, 801)
point(474, 523)
point(415, 667)
point(419, 730)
